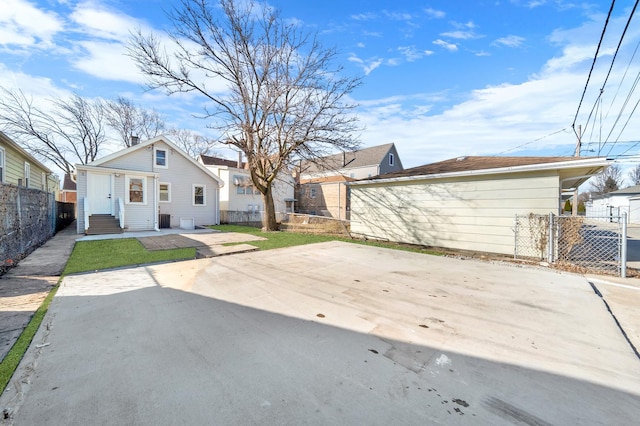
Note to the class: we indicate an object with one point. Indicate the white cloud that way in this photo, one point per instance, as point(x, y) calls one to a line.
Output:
point(461, 35)
point(446, 45)
point(509, 41)
point(398, 16)
point(411, 53)
point(433, 13)
point(364, 16)
point(25, 25)
point(367, 65)
point(107, 61)
point(97, 21)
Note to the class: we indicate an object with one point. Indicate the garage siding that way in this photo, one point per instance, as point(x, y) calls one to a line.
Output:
point(464, 213)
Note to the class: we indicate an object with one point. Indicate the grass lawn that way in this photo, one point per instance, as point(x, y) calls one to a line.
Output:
point(15, 354)
point(288, 239)
point(105, 254)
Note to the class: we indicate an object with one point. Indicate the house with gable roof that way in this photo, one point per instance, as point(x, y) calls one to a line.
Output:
point(240, 201)
point(322, 184)
point(150, 185)
point(465, 203)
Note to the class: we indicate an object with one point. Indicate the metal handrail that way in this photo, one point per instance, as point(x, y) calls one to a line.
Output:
point(87, 213)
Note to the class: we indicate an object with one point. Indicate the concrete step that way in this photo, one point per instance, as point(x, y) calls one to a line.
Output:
point(103, 224)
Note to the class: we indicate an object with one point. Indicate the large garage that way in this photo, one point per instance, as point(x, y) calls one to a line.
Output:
point(465, 203)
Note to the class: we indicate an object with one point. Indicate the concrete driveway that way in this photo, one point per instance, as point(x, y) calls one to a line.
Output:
point(333, 333)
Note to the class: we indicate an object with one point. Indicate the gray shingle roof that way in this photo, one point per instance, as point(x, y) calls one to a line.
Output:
point(359, 158)
point(464, 164)
point(208, 160)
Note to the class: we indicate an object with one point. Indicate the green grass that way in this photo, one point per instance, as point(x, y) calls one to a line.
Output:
point(106, 254)
point(289, 239)
point(12, 359)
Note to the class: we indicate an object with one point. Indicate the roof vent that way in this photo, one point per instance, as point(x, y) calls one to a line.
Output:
point(461, 158)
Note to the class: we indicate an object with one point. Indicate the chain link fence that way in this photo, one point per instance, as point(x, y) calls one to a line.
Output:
point(578, 244)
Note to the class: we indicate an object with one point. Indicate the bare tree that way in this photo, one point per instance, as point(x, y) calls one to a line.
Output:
point(191, 142)
point(129, 119)
point(608, 181)
point(70, 131)
point(634, 175)
point(283, 98)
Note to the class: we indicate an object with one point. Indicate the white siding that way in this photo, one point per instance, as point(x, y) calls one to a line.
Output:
point(459, 213)
point(182, 174)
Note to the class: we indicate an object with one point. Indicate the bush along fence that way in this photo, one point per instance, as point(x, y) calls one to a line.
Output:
point(310, 224)
point(28, 218)
point(578, 244)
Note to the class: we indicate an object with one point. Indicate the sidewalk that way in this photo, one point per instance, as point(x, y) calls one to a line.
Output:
point(23, 288)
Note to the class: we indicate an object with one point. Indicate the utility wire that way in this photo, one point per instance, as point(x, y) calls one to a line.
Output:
point(530, 142)
point(593, 64)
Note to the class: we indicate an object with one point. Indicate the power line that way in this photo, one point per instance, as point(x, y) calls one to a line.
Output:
point(535, 140)
point(593, 64)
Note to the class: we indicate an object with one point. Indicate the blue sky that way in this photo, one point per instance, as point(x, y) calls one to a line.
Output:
point(441, 79)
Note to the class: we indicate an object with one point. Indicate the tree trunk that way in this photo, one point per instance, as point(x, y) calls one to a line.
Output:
point(269, 219)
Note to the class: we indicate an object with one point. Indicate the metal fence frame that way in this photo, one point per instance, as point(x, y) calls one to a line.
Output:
point(583, 244)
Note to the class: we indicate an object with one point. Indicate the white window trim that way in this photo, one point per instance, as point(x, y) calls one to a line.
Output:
point(27, 174)
point(193, 195)
point(127, 183)
point(168, 190)
point(166, 158)
point(3, 164)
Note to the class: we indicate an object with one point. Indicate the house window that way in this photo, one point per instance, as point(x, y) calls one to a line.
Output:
point(390, 159)
point(240, 190)
point(161, 159)
point(313, 192)
point(136, 190)
point(164, 193)
point(2, 164)
point(198, 195)
point(27, 174)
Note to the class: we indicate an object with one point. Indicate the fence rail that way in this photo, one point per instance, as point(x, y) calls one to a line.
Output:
point(579, 243)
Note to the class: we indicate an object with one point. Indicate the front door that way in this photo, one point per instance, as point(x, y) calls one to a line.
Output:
point(100, 194)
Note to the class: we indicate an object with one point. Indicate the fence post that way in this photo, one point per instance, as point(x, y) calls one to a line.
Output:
point(515, 239)
point(551, 242)
point(623, 248)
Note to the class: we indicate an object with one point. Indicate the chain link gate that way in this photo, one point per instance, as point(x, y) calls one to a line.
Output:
point(580, 244)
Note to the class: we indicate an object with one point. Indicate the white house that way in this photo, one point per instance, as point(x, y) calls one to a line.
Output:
point(613, 204)
point(466, 203)
point(149, 185)
point(239, 194)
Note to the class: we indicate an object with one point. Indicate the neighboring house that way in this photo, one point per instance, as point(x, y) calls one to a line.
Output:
point(69, 193)
point(149, 185)
point(18, 167)
point(614, 203)
point(466, 203)
point(239, 193)
point(325, 196)
point(322, 188)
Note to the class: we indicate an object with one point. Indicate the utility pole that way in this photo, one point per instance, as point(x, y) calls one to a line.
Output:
point(574, 206)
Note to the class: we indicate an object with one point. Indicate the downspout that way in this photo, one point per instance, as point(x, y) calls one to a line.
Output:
point(156, 207)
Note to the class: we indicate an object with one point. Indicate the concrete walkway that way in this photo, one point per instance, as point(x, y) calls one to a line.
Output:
point(23, 288)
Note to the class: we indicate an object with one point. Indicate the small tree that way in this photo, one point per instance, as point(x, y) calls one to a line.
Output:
point(634, 175)
point(129, 119)
point(191, 142)
point(69, 131)
point(272, 91)
point(608, 181)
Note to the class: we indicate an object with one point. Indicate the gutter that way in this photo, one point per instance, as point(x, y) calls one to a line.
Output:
point(502, 170)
